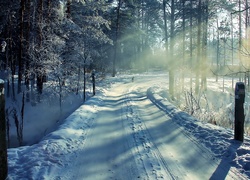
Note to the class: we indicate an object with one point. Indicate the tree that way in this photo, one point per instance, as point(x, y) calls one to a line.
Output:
point(204, 63)
point(184, 12)
point(116, 36)
point(27, 28)
point(191, 41)
point(171, 49)
point(3, 145)
point(165, 25)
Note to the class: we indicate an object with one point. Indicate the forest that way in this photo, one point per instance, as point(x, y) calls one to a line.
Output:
point(57, 44)
point(59, 41)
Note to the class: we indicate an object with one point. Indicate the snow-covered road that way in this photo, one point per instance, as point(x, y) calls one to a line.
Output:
point(132, 138)
point(106, 154)
point(127, 135)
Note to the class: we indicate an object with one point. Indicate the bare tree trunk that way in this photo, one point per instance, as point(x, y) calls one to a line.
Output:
point(21, 40)
point(93, 81)
point(78, 79)
point(40, 72)
point(232, 44)
point(204, 47)
point(247, 37)
point(84, 81)
point(191, 45)
point(49, 9)
point(198, 60)
point(217, 50)
point(183, 43)
point(165, 26)
point(172, 64)
point(11, 56)
point(27, 44)
point(143, 36)
point(240, 35)
point(68, 8)
point(116, 37)
point(3, 144)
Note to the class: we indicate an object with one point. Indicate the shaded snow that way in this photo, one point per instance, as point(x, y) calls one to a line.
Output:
point(134, 148)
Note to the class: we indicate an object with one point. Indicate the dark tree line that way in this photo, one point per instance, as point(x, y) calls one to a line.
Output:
point(49, 39)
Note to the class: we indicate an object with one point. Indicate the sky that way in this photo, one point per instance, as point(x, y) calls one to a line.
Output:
point(130, 130)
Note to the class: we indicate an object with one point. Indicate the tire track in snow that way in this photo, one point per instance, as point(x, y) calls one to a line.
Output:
point(107, 152)
point(146, 153)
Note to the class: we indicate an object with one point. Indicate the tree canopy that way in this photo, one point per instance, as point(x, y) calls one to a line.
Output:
point(56, 40)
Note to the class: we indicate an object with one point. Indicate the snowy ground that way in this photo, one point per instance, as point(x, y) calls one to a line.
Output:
point(129, 130)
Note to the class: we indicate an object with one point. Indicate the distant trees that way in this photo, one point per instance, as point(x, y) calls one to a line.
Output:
point(191, 15)
point(231, 31)
point(200, 18)
point(135, 30)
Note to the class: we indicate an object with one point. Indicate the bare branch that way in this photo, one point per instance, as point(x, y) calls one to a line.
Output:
point(240, 11)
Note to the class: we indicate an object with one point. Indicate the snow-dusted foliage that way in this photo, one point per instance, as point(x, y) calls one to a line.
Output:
point(65, 40)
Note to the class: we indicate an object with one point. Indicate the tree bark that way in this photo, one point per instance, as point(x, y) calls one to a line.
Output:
point(172, 61)
point(27, 43)
point(217, 50)
point(68, 8)
point(183, 43)
point(204, 47)
point(198, 59)
point(11, 58)
point(240, 35)
point(84, 81)
point(40, 73)
point(165, 26)
point(21, 40)
point(191, 45)
point(3, 144)
point(116, 38)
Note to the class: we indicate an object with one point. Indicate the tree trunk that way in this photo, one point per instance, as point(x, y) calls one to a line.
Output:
point(240, 36)
point(198, 60)
point(11, 56)
point(3, 144)
point(40, 72)
point(116, 38)
point(49, 8)
point(93, 81)
point(232, 51)
point(217, 50)
point(27, 43)
point(68, 8)
point(247, 37)
point(172, 61)
point(183, 44)
point(84, 81)
point(204, 47)
point(165, 26)
point(191, 45)
point(21, 40)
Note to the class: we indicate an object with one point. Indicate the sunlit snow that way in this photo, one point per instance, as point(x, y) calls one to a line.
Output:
point(130, 130)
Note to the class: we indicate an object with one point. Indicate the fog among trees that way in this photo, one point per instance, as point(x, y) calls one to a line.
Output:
point(58, 42)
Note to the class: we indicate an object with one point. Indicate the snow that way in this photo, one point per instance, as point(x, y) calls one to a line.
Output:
point(129, 130)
